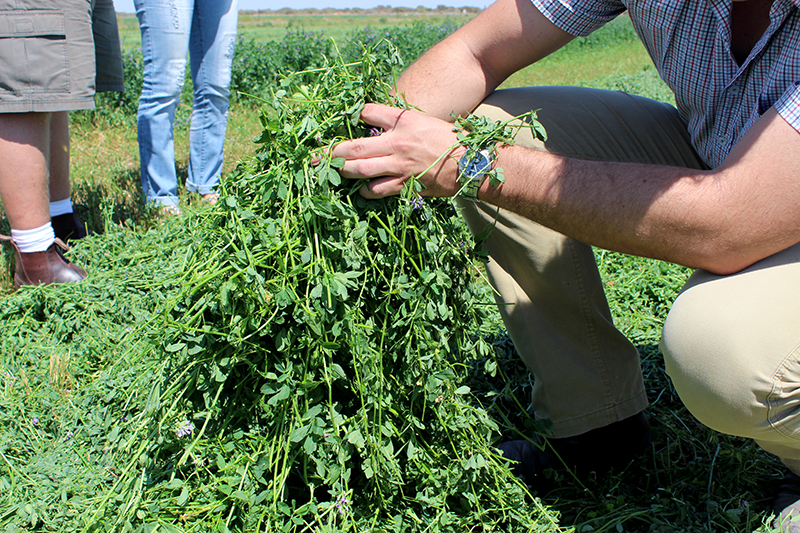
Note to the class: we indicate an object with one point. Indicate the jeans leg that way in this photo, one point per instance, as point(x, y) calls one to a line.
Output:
point(212, 45)
point(165, 28)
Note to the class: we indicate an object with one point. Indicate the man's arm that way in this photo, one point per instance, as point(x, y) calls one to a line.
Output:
point(458, 73)
point(721, 220)
point(453, 77)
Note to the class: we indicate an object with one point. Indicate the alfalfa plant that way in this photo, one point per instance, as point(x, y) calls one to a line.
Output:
point(315, 358)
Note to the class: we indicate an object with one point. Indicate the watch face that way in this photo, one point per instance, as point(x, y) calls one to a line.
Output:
point(472, 172)
point(479, 165)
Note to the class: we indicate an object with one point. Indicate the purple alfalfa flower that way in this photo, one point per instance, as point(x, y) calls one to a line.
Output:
point(417, 203)
point(342, 504)
point(374, 132)
point(35, 421)
point(185, 429)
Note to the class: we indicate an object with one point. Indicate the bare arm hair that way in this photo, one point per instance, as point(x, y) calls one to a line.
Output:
point(721, 220)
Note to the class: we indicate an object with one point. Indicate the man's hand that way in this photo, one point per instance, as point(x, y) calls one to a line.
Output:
point(412, 144)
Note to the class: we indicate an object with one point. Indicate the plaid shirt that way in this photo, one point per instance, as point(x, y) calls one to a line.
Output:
point(689, 42)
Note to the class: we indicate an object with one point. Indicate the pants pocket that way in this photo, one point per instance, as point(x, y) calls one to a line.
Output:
point(33, 52)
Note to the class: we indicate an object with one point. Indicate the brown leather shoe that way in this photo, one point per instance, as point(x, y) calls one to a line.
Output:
point(44, 268)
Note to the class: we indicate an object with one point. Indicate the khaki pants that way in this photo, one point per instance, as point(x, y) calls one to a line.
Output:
point(730, 343)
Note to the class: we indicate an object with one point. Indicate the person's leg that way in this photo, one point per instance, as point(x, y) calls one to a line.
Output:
point(212, 46)
point(732, 350)
point(24, 143)
point(66, 224)
point(165, 28)
point(59, 156)
point(553, 301)
point(587, 375)
point(109, 75)
point(45, 74)
point(24, 150)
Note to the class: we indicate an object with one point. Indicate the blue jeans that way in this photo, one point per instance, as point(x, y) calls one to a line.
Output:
point(206, 30)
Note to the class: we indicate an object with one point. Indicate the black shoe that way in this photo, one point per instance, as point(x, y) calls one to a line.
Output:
point(598, 450)
point(68, 227)
point(787, 505)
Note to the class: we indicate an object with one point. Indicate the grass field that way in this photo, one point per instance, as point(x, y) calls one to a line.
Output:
point(89, 373)
point(273, 26)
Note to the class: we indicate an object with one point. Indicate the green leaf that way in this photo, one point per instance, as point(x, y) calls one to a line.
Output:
point(175, 347)
point(183, 498)
point(282, 394)
point(356, 438)
point(299, 433)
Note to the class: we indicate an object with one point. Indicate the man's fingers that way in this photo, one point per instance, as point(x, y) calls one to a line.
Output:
point(366, 147)
point(381, 116)
point(370, 168)
point(390, 159)
point(381, 187)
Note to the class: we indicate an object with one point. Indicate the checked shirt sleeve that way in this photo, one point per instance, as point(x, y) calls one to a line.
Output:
point(788, 106)
point(579, 17)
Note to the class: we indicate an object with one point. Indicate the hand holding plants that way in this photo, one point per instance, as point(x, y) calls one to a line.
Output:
point(412, 144)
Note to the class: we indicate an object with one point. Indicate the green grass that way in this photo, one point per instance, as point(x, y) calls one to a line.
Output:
point(272, 27)
point(83, 366)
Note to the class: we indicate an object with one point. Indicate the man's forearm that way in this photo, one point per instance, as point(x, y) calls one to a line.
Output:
point(701, 219)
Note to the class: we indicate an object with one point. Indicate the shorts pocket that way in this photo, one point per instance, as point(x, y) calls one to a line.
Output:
point(33, 52)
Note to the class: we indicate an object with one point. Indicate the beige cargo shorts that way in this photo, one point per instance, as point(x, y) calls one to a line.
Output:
point(54, 55)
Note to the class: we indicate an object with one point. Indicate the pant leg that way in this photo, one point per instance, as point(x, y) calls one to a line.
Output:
point(165, 28)
point(587, 374)
point(212, 45)
point(732, 349)
point(107, 48)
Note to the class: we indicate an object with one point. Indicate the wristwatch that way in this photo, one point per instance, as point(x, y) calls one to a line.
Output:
point(471, 173)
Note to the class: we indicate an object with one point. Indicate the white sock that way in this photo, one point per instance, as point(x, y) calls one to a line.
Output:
point(33, 240)
point(60, 207)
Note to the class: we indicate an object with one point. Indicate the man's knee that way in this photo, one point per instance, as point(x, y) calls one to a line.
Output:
point(720, 384)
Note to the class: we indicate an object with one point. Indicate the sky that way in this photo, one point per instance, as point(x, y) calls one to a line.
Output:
point(126, 6)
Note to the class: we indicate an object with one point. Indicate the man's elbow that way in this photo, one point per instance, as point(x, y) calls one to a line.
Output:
point(725, 261)
point(724, 266)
